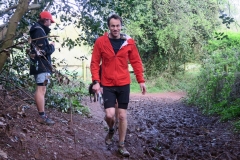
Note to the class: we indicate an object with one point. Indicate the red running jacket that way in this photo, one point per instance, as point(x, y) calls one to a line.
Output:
point(115, 66)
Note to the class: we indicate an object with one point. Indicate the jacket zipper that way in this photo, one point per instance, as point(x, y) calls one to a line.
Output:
point(115, 57)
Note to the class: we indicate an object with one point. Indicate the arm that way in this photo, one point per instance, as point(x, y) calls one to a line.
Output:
point(94, 65)
point(136, 63)
point(43, 43)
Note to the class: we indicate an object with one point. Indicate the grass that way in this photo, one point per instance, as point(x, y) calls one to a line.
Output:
point(163, 83)
point(167, 83)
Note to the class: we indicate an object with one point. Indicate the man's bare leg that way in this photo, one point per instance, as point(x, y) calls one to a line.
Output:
point(40, 102)
point(40, 98)
point(116, 115)
point(110, 120)
point(122, 115)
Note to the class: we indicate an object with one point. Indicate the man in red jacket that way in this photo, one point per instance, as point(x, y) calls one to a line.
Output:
point(113, 50)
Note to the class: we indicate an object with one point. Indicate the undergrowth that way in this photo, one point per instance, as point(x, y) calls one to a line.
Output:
point(217, 89)
point(65, 91)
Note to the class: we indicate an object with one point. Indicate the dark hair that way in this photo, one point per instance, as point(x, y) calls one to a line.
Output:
point(114, 16)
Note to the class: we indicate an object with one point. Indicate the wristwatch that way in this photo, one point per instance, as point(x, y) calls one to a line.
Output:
point(95, 82)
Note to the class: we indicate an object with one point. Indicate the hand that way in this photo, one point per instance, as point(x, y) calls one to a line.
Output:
point(143, 88)
point(32, 55)
point(53, 43)
point(96, 87)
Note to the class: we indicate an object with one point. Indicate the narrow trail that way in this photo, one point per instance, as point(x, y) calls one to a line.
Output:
point(98, 111)
point(160, 127)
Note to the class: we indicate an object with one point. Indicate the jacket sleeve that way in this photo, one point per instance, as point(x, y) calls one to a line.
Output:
point(95, 61)
point(43, 43)
point(136, 63)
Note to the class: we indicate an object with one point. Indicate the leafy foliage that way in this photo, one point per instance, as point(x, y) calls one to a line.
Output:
point(226, 20)
point(171, 33)
point(61, 94)
point(217, 87)
point(88, 18)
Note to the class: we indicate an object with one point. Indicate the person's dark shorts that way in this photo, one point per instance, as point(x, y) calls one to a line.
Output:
point(119, 93)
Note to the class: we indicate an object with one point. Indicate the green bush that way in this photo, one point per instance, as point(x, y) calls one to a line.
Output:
point(237, 125)
point(215, 87)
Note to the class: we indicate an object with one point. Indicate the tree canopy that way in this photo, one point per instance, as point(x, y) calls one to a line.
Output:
point(169, 33)
point(89, 17)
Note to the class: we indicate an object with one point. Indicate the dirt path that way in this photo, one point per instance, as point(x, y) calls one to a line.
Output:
point(98, 111)
point(160, 127)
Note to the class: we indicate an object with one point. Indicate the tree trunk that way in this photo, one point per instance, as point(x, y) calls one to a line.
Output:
point(22, 8)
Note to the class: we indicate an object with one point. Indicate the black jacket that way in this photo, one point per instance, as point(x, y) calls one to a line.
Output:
point(41, 64)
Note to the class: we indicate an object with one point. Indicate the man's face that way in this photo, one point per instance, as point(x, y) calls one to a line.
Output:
point(115, 27)
point(47, 23)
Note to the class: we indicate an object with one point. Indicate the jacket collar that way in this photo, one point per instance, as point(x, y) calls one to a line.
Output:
point(128, 39)
point(45, 28)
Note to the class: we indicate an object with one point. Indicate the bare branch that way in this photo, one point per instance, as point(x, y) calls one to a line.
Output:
point(3, 33)
point(22, 42)
point(34, 6)
point(12, 26)
point(48, 7)
point(31, 7)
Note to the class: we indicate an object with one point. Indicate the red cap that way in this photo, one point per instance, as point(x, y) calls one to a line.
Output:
point(47, 15)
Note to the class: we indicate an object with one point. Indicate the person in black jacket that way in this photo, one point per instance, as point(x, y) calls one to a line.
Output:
point(40, 66)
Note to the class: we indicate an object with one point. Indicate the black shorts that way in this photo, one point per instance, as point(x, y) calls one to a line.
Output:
point(119, 93)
